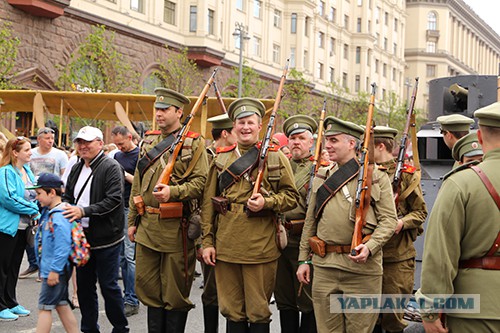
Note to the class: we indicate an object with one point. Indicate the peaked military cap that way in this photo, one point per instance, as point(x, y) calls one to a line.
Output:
point(334, 126)
point(467, 146)
point(298, 124)
point(168, 97)
point(221, 121)
point(245, 107)
point(489, 115)
point(455, 123)
point(385, 132)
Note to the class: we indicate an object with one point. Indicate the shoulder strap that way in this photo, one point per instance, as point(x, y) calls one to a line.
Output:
point(151, 156)
point(88, 179)
point(239, 167)
point(193, 162)
point(334, 183)
point(488, 184)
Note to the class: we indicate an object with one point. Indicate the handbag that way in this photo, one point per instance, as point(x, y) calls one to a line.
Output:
point(30, 233)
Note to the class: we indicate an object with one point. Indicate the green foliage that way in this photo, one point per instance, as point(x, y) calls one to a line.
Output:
point(8, 54)
point(297, 98)
point(251, 84)
point(180, 73)
point(98, 66)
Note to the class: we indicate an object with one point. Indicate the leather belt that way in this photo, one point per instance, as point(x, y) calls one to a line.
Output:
point(338, 248)
point(490, 263)
point(294, 226)
point(152, 210)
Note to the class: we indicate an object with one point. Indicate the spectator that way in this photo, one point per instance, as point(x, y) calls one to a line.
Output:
point(95, 187)
point(16, 210)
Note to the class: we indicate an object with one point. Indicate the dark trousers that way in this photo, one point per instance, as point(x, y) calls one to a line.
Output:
point(30, 252)
point(103, 266)
point(11, 257)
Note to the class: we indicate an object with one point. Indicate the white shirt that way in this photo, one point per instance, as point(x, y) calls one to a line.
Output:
point(84, 200)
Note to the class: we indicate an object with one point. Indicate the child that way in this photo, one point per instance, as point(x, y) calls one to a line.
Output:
point(53, 245)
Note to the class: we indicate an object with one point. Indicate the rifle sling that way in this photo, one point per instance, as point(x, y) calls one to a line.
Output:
point(238, 168)
point(156, 152)
point(334, 183)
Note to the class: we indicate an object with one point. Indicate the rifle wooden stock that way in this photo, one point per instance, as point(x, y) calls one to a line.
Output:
point(317, 150)
point(181, 136)
point(396, 182)
point(363, 188)
point(219, 98)
point(264, 149)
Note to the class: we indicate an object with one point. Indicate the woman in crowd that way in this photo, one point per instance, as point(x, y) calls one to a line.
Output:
point(17, 210)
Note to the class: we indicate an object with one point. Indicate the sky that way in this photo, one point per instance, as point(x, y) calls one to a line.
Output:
point(488, 10)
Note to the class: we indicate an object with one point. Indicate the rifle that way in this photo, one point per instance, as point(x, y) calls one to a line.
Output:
point(363, 189)
point(396, 182)
point(219, 98)
point(317, 150)
point(176, 146)
point(264, 149)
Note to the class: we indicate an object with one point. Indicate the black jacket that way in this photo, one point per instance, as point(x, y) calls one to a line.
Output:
point(106, 205)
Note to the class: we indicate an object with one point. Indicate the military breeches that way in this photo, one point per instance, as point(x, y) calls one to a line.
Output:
point(244, 290)
point(398, 279)
point(161, 280)
point(209, 296)
point(459, 325)
point(333, 281)
point(287, 284)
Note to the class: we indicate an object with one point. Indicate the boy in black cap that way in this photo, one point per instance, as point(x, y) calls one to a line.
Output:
point(54, 233)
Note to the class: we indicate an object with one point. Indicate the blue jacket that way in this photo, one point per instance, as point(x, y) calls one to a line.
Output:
point(12, 202)
point(54, 240)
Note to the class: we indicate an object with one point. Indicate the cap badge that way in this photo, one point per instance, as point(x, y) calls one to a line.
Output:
point(243, 108)
point(161, 98)
point(295, 125)
point(328, 127)
point(475, 145)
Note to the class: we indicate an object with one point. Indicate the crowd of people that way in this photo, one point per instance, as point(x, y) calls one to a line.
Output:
point(153, 226)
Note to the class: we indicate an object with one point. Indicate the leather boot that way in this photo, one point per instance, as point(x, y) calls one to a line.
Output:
point(176, 321)
point(156, 320)
point(259, 328)
point(237, 326)
point(289, 321)
point(211, 318)
point(377, 329)
point(308, 323)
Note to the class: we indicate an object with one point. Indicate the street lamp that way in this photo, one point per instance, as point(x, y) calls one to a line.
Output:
point(241, 34)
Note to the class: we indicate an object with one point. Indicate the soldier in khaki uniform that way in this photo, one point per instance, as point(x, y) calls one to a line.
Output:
point(223, 137)
point(399, 252)
point(165, 257)
point(299, 129)
point(463, 236)
point(332, 221)
point(243, 249)
point(454, 127)
point(467, 149)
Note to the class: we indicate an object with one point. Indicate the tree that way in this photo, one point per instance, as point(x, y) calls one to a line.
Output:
point(251, 84)
point(297, 99)
point(8, 54)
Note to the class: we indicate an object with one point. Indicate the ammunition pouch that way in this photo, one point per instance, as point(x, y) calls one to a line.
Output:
point(294, 227)
point(220, 204)
point(139, 204)
point(318, 246)
point(171, 210)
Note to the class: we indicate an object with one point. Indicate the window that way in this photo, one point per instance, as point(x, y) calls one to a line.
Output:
point(394, 74)
point(358, 54)
point(332, 74)
point(321, 40)
point(193, 18)
point(276, 53)
point(344, 80)
point(239, 4)
point(377, 39)
point(385, 43)
point(369, 26)
point(306, 28)
point(369, 58)
point(319, 74)
point(358, 25)
point(321, 8)
point(346, 21)
point(150, 83)
point(346, 52)
point(306, 59)
point(395, 49)
point(431, 47)
point(386, 18)
point(169, 12)
point(383, 93)
point(331, 16)
point(376, 65)
point(357, 83)
point(277, 18)
point(293, 29)
point(377, 14)
point(332, 46)
point(137, 5)
point(384, 70)
point(256, 46)
point(292, 57)
point(360, 2)
point(431, 70)
point(210, 28)
point(431, 21)
point(396, 24)
point(257, 9)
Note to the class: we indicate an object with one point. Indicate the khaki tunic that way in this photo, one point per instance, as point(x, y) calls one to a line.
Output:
point(164, 236)
point(463, 224)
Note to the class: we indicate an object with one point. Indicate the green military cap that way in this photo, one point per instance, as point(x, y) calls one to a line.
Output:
point(489, 115)
point(455, 123)
point(466, 146)
point(385, 132)
point(245, 107)
point(334, 126)
point(168, 97)
point(1, 102)
point(221, 121)
point(298, 124)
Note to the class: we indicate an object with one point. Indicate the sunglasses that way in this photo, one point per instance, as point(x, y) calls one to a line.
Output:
point(18, 140)
point(443, 131)
point(47, 131)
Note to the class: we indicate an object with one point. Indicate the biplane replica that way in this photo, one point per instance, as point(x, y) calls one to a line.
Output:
point(63, 107)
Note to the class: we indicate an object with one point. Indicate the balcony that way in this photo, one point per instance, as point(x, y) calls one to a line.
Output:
point(432, 35)
point(43, 8)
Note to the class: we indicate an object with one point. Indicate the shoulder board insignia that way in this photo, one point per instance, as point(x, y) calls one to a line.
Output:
point(192, 135)
point(381, 168)
point(311, 158)
point(274, 148)
point(409, 168)
point(225, 149)
point(151, 132)
point(460, 168)
point(323, 163)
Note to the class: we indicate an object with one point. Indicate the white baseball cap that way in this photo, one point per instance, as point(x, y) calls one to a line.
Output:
point(89, 133)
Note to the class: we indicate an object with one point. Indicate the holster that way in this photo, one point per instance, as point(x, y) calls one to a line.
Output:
point(318, 246)
point(294, 227)
point(171, 210)
point(139, 204)
point(220, 204)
